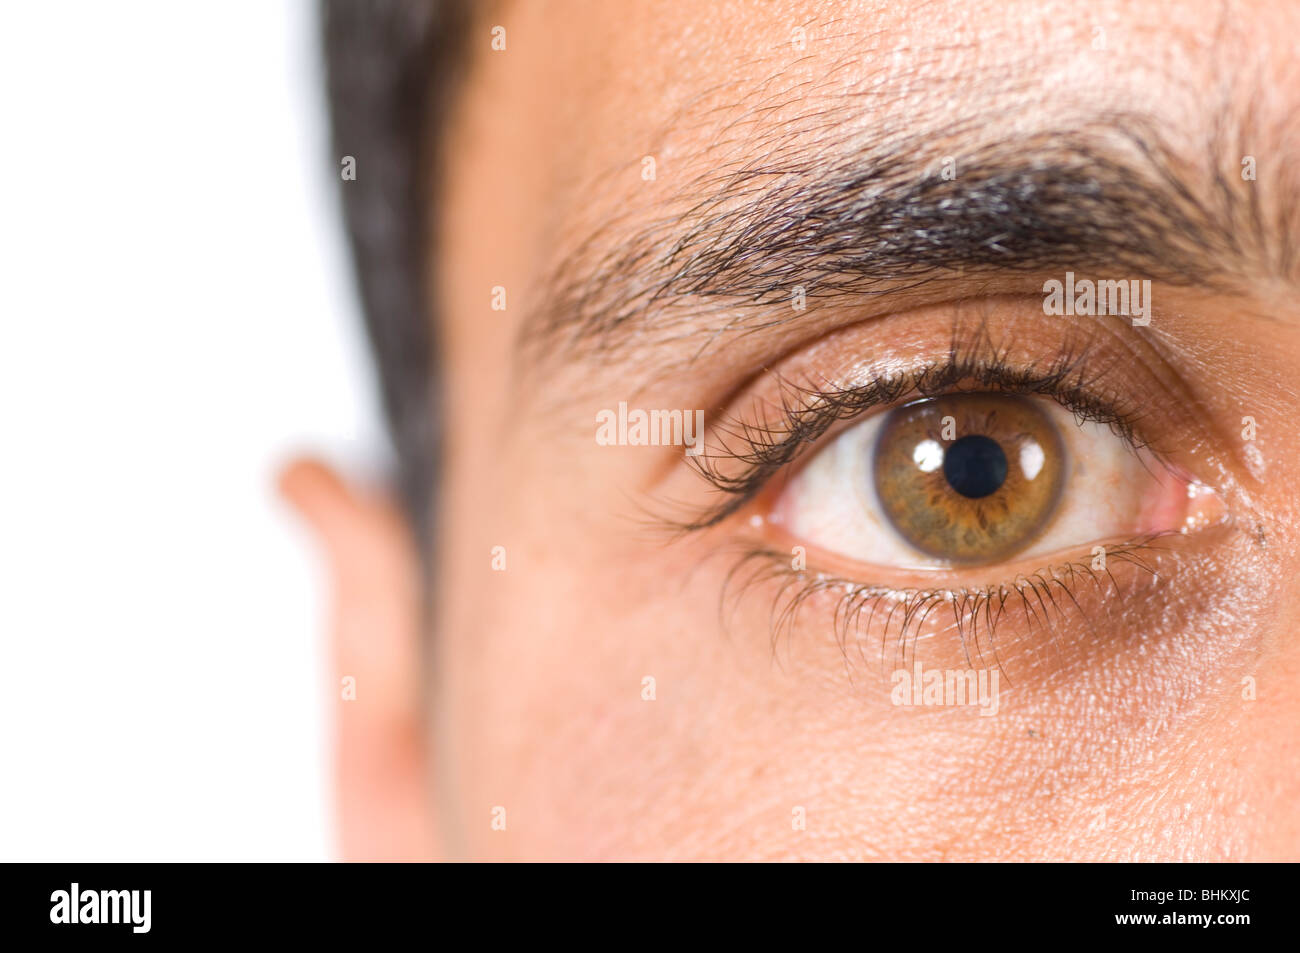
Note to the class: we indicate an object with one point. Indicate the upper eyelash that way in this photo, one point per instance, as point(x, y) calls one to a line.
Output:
point(1069, 377)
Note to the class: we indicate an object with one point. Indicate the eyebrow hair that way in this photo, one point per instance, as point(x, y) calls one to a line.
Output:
point(1110, 197)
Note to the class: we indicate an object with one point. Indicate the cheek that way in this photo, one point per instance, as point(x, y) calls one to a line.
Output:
point(583, 687)
point(1128, 746)
point(603, 704)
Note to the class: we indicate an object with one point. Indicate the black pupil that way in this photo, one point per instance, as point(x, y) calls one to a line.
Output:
point(975, 466)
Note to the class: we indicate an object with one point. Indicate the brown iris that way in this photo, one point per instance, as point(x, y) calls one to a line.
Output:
point(970, 478)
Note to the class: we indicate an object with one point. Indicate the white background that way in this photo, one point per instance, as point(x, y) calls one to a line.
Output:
point(176, 320)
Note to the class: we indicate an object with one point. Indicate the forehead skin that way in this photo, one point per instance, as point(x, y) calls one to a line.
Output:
point(539, 668)
point(584, 96)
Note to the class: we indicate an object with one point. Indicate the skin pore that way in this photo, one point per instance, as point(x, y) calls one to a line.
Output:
point(1146, 711)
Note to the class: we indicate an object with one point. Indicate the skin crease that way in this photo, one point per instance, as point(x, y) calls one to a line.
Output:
point(1124, 739)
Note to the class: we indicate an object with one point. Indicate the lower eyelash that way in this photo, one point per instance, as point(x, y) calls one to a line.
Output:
point(976, 614)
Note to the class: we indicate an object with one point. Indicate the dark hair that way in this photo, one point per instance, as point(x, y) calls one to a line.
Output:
point(392, 67)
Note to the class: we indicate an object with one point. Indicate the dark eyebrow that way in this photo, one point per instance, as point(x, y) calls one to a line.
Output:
point(1112, 199)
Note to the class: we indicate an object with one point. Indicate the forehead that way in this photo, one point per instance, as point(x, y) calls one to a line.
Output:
point(600, 124)
point(593, 87)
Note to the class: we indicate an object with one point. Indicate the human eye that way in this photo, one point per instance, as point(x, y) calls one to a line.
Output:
point(963, 467)
point(972, 479)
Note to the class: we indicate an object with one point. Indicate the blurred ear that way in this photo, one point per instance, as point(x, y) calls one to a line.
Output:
point(385, 808)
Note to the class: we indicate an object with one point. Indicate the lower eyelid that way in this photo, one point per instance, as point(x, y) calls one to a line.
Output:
point(1006, 618)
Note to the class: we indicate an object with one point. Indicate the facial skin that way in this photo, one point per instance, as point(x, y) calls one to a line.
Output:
point(1144, 718)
